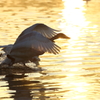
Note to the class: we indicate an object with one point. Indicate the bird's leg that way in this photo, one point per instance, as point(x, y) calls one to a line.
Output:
point(0, 54)
point(24, 64)
point(35, 60)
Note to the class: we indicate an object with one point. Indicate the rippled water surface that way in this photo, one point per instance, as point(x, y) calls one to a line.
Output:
point(74, 73)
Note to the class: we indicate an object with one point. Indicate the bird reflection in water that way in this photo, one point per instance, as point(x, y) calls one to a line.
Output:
point(32, 42)
point(25, 89)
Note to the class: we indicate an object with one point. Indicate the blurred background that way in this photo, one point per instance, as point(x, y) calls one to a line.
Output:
point(74, 73)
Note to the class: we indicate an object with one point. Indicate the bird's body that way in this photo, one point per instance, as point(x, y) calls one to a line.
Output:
point(32, 42)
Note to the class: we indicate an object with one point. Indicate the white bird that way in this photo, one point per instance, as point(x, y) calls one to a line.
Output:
point(32, 42)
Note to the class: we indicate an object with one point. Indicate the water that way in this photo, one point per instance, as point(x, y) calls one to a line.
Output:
point(74, 73)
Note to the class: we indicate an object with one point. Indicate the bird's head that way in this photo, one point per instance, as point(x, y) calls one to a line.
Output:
point(61, 35)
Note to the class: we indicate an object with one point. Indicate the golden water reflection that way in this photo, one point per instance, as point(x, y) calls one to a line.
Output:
point(80, 51)
point(73, 18)
point(71, 75)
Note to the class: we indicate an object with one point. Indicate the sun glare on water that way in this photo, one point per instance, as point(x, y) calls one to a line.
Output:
point(73, 19)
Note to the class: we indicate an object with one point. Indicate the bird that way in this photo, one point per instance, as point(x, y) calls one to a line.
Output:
point(31, 43)
point(6, 48)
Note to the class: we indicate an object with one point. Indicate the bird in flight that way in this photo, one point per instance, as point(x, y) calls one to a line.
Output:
point(32, 42)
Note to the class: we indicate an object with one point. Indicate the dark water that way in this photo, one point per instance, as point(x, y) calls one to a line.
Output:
point(74, 73)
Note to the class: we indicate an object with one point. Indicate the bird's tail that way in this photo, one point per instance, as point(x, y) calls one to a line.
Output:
point(7, 61)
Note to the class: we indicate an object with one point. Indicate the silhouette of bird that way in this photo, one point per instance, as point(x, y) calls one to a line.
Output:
point(6, 48)
point(32, 42)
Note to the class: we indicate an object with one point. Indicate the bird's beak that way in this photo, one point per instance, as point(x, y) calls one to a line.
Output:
point(67, 37)
point(63, 36)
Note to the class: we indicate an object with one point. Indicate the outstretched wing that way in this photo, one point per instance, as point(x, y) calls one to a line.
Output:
point(45, 30)
point(33, 43)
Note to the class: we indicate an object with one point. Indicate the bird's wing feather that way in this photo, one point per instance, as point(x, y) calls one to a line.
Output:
point(34, 41)
point(45, 30)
